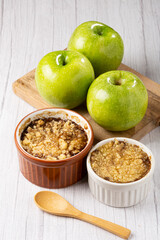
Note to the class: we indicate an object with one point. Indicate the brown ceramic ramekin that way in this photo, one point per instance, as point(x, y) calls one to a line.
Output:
point(53, 174)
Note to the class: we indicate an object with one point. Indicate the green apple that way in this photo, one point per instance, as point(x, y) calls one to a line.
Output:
point(117, 100)
point(63, 78)
point(101, 44)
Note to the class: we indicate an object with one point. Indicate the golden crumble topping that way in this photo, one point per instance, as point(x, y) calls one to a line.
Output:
point(121, 162)
point(53, 139)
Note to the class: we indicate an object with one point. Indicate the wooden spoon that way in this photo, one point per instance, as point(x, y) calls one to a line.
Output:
point(55, 204)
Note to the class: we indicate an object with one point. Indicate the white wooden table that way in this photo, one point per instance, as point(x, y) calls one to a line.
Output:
point(29, 30)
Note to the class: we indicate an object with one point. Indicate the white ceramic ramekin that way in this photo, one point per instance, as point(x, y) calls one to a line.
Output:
point(119, 194)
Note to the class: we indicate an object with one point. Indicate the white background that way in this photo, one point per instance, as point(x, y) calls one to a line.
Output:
point(29, 30)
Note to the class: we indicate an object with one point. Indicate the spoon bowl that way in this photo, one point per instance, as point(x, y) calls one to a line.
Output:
point(55, 204)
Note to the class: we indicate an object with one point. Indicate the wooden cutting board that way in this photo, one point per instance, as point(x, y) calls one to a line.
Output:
point(25, 88)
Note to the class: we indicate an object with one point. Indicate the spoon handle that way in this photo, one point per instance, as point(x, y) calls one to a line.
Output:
point(109, 226)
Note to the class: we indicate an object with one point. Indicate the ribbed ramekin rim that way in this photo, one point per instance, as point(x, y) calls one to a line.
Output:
point(101, 180)
point(38, 160)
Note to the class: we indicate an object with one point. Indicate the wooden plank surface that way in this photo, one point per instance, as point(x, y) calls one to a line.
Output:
point(25, 88)
point(29, 30)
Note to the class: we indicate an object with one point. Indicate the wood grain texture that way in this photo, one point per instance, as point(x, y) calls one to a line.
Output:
point(29, 30)
point(26, 89)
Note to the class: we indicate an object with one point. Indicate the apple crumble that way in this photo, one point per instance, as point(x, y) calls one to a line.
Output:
point(121, 162)
point(53, 139)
